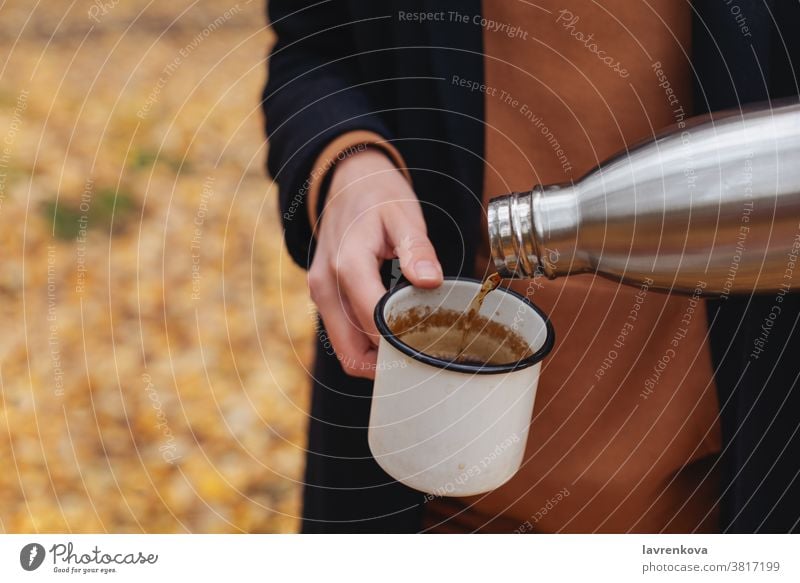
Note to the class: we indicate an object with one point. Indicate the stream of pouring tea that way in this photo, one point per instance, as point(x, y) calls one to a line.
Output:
point(489, 284)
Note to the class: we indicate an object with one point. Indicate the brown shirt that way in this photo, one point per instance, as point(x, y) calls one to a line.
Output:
point(625, 430)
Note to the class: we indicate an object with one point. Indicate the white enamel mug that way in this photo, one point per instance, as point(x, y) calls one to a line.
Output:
point(446, 428)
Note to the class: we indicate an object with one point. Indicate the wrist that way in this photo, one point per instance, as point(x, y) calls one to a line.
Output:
point(364, 175)
point(359, 164)
point(370, 149)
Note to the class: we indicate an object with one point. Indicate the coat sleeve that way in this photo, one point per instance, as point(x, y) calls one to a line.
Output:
point(312, 96)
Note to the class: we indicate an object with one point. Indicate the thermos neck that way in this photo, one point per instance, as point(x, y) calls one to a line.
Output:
point(535, 233)
point(712, 205)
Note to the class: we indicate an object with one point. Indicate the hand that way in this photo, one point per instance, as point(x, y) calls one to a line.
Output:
point(371, 214)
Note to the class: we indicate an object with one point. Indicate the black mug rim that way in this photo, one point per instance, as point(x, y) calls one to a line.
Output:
point(535, 358)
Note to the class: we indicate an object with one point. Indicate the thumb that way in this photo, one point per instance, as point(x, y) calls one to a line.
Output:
point(418, 260)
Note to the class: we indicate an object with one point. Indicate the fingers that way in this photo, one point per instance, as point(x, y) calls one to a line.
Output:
point(353, 347)
point(409, 238)
point(374, 216)
point(358, 274)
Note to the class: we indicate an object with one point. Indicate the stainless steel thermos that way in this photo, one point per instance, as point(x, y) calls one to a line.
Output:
point(713, 200)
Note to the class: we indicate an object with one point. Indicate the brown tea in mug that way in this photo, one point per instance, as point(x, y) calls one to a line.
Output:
point(468, 317)
point(463, 337)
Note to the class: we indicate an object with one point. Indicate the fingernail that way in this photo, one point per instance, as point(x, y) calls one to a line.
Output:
point(426, 270)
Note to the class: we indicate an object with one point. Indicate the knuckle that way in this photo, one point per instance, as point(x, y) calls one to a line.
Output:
point(359, 372)
point(337, 263)
point(354, 366)
point(416, 242)
point(347, 252)
point(316, 284)
point(350, 365)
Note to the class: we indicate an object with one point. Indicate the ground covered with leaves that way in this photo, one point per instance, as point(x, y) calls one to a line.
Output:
point(155, 335)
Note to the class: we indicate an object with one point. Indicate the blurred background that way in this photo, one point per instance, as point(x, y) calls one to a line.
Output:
point(155, 336)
